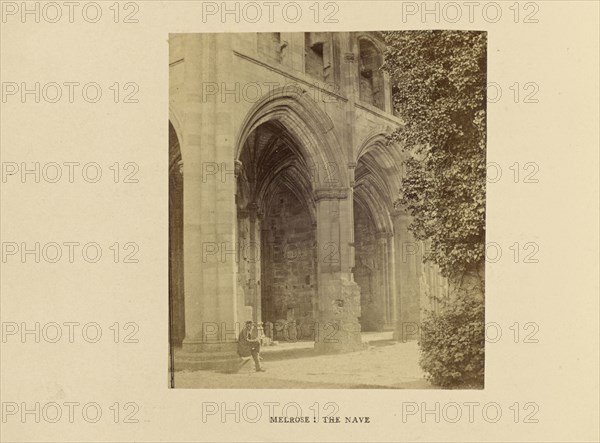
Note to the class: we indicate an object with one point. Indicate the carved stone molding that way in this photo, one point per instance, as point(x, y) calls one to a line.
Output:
point(383, 235)
point(332, 193)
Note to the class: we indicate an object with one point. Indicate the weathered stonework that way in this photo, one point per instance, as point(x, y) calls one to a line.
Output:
point(369, 274)
point(287, 192)
point(289, 277)
point(338, 327)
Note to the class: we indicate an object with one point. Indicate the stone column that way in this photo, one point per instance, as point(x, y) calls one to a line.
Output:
point(266, 255)
point(254, 261)
point(394, 292)
point(209, 210)
point(408, 316)
point(383, 284)
point(244, 276)
point(387, 94)
point(339, 296)
point(388, 273)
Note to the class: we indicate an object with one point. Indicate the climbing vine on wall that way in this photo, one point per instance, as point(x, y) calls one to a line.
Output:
point(439, 90)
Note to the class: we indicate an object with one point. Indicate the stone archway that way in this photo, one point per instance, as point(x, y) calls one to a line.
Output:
point(295, 110)
point(277, 266)
point(377, 180)
point(307, 171)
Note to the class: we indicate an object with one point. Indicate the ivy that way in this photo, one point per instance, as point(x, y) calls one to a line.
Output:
point(439, 90)
point(453, 344)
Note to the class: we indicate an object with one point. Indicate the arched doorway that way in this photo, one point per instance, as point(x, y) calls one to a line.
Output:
point(276, 233)
point(376, 182)
point(176, 294)
point(296, 161)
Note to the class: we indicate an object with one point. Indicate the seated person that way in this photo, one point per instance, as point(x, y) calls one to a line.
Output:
point(249, 345)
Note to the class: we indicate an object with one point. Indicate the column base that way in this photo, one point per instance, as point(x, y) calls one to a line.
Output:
point(338, 336)
point(338, 326)
point(195, 356)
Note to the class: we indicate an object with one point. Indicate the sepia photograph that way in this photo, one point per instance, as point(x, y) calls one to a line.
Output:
point(327, 203)
point(317, 221)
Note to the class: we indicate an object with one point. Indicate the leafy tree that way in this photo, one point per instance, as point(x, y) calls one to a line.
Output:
point(439, 90)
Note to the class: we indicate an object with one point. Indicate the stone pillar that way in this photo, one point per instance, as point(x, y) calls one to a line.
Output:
point(244, 247)
point(338, 329)
point(408, 317)
point(254, 261)
point(385, 242)
point(394, 292)
point(209, 211)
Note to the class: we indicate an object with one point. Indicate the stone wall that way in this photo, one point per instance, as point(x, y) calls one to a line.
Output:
point(288, 261)
point(223, 87)
point(367, 272)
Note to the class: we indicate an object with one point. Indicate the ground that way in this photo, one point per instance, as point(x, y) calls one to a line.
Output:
point(383, 364)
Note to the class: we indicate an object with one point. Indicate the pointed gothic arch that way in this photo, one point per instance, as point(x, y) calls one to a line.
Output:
point(309, 125)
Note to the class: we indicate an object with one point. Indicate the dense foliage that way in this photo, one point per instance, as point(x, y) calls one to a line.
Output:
point(453, 344)
point(439, 90)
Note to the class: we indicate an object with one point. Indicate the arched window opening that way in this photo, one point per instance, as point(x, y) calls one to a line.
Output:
point(317, 57)
point(370, 76)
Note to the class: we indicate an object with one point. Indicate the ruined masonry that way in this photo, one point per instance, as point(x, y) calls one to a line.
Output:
point(281, 191)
